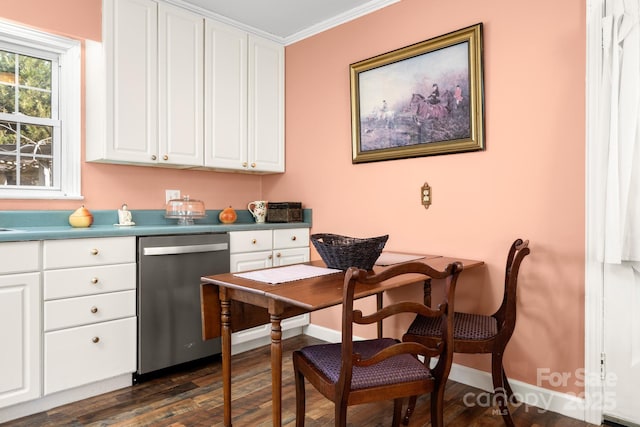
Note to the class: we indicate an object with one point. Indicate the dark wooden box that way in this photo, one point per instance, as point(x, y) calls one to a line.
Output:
point(284, 212)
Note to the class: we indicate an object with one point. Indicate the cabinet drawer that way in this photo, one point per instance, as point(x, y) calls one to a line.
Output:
point(19, 257)
point(86, 252)
point(74, 282)
point(290, 238)
point(250, 241)
point(78, 356)
point(69, 312)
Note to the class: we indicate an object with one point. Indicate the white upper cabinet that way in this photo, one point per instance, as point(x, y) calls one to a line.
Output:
point(266, 105)
point(122, 85)
point(180, 75)
point(164, 89)
point(244, 102)
point(225, 96)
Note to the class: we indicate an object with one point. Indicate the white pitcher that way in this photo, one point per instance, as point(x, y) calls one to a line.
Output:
point(258, 209)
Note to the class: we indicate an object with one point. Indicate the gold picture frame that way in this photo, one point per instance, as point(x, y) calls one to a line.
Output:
point(421, 100)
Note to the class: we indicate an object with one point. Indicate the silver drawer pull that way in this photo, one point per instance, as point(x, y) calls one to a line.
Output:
point(254, 241)
point(294, 238)
point(94, 309)
point(94, 252)
point(95, 339)
point(94, 280)
point(278, 255)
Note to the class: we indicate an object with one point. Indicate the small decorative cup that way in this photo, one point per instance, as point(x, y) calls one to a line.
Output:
point(258, 209)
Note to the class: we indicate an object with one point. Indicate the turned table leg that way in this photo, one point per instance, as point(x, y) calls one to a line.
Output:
point(225, 317)
point(276, 369)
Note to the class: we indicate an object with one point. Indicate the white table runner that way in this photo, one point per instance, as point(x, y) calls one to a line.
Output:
point(287, 274)
point(391, 258)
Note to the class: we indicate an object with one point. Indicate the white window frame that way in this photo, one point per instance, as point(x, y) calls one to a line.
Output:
point(66, 160)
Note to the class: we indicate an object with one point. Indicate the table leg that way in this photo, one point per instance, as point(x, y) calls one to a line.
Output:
point(225, 318)
point(276, 369)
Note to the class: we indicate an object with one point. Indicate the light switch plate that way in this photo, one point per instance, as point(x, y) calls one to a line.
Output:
point(425, 195)
point(171, 194)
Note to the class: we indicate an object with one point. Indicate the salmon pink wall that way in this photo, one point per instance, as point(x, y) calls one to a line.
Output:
point(108, 186)
point(529, 182)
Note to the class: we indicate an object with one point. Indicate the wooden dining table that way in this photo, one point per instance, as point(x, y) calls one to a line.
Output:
point(284, 300)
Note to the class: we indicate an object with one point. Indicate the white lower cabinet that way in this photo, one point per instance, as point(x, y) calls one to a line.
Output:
point(77, 356)
point(89, 311)
point(251, 250)
point(20, 377)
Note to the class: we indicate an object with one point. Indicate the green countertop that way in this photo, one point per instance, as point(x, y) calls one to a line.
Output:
point(46, 225)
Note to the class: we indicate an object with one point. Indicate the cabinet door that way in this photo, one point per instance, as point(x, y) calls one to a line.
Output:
point(250, 261)
point(130, 39)
point(266, 105)
point(181, 81)
point(225, 96)
point(20, 337)
point(290, 256)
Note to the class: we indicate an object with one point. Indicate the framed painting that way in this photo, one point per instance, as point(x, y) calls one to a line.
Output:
point(421, 100)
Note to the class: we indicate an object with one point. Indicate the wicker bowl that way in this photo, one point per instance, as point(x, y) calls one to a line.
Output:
point(342, 252)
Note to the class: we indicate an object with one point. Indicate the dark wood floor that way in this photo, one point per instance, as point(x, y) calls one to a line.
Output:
point(193, 397)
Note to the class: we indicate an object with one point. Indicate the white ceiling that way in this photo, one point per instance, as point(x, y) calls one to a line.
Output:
point(286, 21)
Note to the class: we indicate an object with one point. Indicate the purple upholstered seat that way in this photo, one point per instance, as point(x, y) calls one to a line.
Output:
point(405, 367)
point(465, 326)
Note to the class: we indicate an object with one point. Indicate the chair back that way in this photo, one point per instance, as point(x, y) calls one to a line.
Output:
point(506, 314)
point(355, 278)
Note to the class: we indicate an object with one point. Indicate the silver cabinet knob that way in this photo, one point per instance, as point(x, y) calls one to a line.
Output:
point(94, 280)
point(294, 238)
point(94, 251)
point(165, 157)
point(95, 339)
point(153, 157)
point(94, 309)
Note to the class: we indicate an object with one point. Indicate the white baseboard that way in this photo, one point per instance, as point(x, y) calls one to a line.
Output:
point(538, 397)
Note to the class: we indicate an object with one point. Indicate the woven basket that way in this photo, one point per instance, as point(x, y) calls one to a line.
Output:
point(343, 252)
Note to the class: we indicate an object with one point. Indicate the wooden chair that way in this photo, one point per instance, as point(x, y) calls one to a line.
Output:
point(356, 372)
point(476, 333)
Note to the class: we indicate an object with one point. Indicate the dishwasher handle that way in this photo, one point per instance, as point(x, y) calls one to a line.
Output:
point(184, 249)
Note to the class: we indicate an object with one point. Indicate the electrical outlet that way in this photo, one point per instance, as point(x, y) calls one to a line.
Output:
point(425, 195)
point(171, 194)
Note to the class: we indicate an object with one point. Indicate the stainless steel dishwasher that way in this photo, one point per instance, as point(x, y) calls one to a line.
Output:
point(169, 320)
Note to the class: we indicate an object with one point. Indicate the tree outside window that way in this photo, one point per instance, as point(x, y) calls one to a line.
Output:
point(25, 143)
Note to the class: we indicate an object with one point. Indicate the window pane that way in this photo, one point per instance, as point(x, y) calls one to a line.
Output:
point(7, 98)
point(7, 67)
point(7, 153)
point(35, 140)
point(35, 172)
point(8, 136)
point(35, 103)
point(34, 72)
